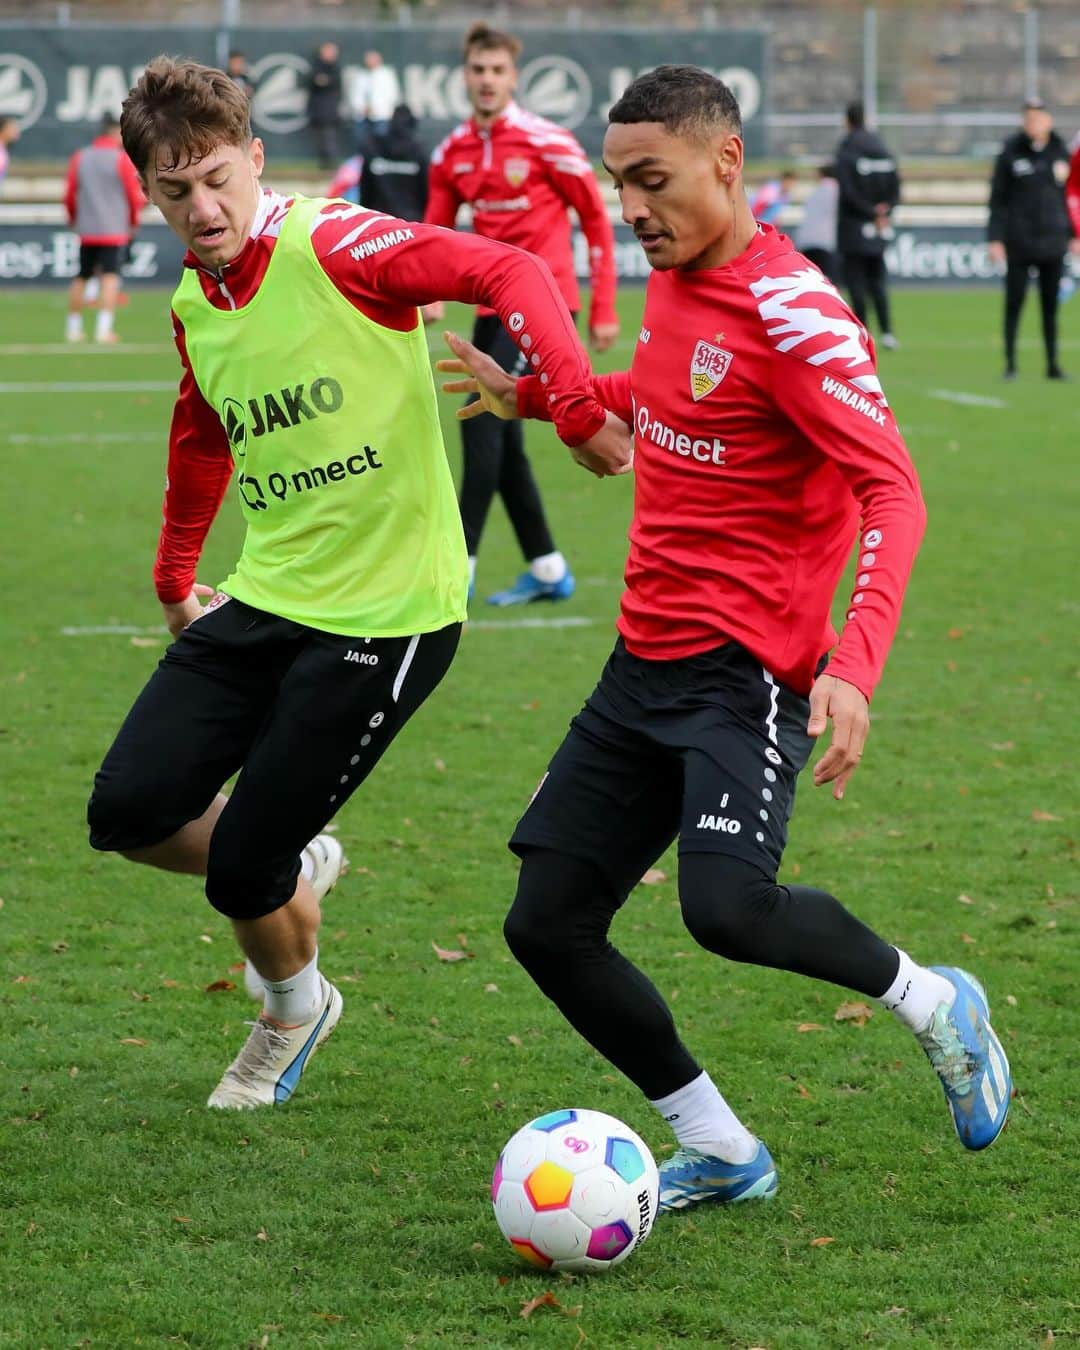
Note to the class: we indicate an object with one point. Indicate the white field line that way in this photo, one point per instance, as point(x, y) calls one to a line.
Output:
point(968, 400)
point(77, 438)
point(159, 630)
point(84, 349)
point(90, 387)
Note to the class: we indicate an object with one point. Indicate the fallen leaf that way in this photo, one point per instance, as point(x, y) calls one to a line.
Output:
point(218, 986)
point(22, 979)
point(857, 1012)
point(236, 966)
point(515, 1040)
point(801, 1090)
point(1002, 745)
point(546, 1300)
point(329, 1317)
point(205, 937)
point(491, 988)
point(171, 984)
point(821, 1241)
point(133, 1040)
point(809, 1026)
point(181, 1218)
point(965, 900)
point(140, 998)
point(440, 766)
point(966, 937)
point(1010, 999)
point(1043, 815)
point(73, 1072)
point(446, 955)
point(894, 1311)
point(653, 877)
point(262, 1235)
point(146, 642)
point(955, 633)
point(59, 947)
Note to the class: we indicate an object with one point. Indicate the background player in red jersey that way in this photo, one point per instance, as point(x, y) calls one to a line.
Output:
point(519, 173)
point(764, 447)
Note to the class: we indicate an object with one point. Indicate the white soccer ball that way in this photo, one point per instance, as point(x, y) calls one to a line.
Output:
point(575, 1190)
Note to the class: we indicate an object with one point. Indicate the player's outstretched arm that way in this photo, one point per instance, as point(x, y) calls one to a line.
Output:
point(847, 707)
point(607, 452)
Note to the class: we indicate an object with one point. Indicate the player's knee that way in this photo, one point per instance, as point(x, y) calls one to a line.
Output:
point(724, 901)
point(548, 922)
point(122, 815)
point(242, 885)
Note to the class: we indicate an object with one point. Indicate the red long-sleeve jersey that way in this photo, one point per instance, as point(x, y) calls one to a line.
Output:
point(1072, 191)
point(519, 176)
point(762, 444)
point(102, 194)
point(385, 267)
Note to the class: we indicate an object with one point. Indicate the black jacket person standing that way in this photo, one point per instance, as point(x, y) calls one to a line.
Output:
point(1030, 225)
point(869, 190)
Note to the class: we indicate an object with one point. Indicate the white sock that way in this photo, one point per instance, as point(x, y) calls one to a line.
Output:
point(702, 1119)
point(295, 1000)
point(472, 571)
point(549, 567)
point(74, 325)
point(103, 324)
point(92, 289)
point(915, 994)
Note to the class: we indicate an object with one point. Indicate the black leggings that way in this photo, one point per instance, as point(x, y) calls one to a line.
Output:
point(558, 929)
point(866, 273)
point(1016, 284)
point(495, 461)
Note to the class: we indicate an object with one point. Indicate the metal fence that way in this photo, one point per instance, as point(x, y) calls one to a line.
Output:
point(940, 79)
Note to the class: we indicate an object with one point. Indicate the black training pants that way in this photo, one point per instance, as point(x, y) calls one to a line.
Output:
point(866, 274)
point(1016, 283)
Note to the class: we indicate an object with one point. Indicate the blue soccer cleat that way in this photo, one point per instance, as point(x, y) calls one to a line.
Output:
point(527, 588)
point(690, 1177)
point(969, 1060)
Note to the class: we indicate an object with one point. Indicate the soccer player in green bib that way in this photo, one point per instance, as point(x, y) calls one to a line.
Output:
point(306, 375)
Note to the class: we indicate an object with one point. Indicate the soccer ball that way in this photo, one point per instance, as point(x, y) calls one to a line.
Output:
point(575, 1190)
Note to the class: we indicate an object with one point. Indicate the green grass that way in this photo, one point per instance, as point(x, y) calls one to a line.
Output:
point(359, 1214)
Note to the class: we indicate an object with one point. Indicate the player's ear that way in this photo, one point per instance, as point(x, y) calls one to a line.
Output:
point(257, 155)
point(729, 158)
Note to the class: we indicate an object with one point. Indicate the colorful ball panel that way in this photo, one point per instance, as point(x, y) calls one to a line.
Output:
point(623, 1157)
point(549, 1186)
point(552, 1121)
point(528, 1252)
point(609, 1241)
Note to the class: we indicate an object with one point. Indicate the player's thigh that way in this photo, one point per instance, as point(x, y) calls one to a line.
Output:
point(740, 775)
point(338, 709)
point(609, 796)
point(186, 734)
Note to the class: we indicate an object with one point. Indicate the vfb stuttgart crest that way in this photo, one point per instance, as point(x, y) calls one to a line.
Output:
point(516, 171)
point(708, 366)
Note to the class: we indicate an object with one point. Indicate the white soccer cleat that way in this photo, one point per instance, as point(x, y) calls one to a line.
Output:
point(268, 1068)
point(328, 862)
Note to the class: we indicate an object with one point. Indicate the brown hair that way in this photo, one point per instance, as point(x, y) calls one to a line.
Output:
point(490, 40)
point(180, 111)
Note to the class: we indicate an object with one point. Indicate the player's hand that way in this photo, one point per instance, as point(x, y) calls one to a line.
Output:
point(432, 313)
point(996, 251)
point(609, 452)
point(497, 389)
point(178, 616)
point(847, 706)
point(602, 336)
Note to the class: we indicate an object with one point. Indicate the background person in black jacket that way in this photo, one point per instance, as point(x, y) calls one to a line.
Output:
point(324, 103)
point(869, 189)
point(394, 176)
point(1030, 226)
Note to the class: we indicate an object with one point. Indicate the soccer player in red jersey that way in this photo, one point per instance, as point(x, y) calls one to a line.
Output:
point(764, 448)
point(519, 173)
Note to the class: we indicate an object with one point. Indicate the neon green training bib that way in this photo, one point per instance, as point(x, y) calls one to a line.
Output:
point(352, 522)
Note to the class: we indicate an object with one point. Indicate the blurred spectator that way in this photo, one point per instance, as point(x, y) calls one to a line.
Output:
point(346, 181)
point(324, 103)
point(9, 134)
point(374, 96)
point(869, 189)
point(815, 237)
point(394, 177)
point(103, 200)
point(771, 198)
point(1030, 226)
point(237, 70)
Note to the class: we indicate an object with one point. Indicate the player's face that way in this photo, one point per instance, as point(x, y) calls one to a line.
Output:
point(1038, 123)
point(490, 80)
point(210, 203)
point(680, 194)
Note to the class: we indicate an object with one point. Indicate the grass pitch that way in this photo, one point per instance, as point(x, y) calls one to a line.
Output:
point(358, 1215)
